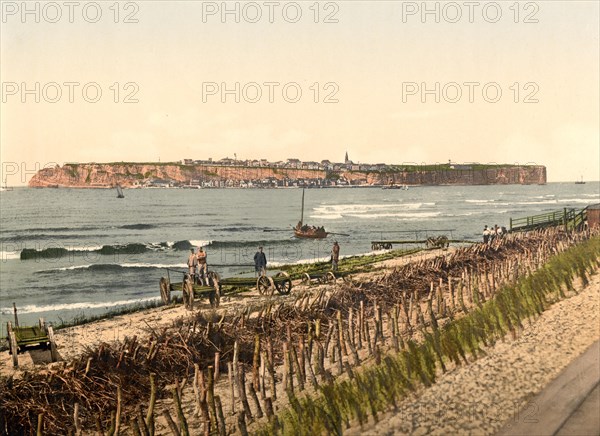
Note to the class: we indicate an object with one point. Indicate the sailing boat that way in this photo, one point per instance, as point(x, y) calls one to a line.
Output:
point(305, 231)
point(580, 182)
point(5, 187)
point(120, 192)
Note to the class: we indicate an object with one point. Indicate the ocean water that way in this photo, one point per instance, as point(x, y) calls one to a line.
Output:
point(112, 252)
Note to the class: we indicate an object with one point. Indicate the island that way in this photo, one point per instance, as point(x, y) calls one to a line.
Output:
point(233, 173)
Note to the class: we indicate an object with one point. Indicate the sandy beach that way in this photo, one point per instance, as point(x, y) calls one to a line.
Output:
point(493, 391)
point(477, 398)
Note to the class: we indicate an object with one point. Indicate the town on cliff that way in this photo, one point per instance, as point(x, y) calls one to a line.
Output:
point(253, 173)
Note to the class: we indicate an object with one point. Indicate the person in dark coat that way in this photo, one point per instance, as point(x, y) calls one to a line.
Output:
point(260, 262)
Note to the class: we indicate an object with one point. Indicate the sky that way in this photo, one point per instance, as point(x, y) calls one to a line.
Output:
point(386, 81)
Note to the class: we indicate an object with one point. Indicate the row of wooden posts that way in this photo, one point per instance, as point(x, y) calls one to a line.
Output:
point(314, 358)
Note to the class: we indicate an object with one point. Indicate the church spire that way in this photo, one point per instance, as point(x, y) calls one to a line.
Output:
point(346, 158)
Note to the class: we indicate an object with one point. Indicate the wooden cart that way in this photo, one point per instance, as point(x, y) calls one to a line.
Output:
point(266, 285)
point(21, 337)
point(191, 290)
point(322, 277)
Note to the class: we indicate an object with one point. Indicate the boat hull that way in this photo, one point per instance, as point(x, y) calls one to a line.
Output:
point(310, 235)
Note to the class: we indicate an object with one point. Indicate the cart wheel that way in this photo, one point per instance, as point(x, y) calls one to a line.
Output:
point(165, 290)
point(284, 286)
point(330, 277)
point(213, 275)
point(215, 297)
point(53, 350)
point(188, 292)
point(265, 285)
point(12, 343)
point(305, 279)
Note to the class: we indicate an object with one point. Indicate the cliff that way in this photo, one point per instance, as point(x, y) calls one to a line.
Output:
point(98, 175)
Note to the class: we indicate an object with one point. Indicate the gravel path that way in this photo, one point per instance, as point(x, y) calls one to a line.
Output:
point(480, 398)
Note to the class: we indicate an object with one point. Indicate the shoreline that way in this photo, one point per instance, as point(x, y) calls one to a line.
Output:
point(122, 320)
point(172, 323)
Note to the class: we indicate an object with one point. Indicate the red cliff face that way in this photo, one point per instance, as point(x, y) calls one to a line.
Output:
point(95, 175)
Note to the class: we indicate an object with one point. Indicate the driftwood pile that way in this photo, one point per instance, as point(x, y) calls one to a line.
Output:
point(264, 351)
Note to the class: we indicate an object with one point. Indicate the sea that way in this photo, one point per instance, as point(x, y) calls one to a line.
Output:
point(69, 253)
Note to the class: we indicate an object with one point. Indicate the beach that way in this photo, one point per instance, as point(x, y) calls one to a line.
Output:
point(484, 384)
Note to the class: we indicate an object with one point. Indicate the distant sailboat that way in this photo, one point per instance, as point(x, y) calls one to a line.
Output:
point(5, 188)
point(120, 192)
point(304, 231)
point(580, 182)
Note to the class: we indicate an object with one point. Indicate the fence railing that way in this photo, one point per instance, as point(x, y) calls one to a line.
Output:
point(571, 219)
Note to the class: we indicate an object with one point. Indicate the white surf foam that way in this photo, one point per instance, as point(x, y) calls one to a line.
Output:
point(123, 265)
point(9, 255)
point(33, 308)
point(200, 243)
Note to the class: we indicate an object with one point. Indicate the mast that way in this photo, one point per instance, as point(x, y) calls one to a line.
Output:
point(302, 213)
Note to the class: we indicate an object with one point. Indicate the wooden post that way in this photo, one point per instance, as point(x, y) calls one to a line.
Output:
point(171, 423)
point(255, 363)
point(40, 424)
point(180, 416)
point(311, 374)
point(361, 321)
point(259, 412)
point(217, 366)
point(76, 419)
point(16, 317)
point(368, 338)
point(269, 407)
point(241, 422)
point(150, 413)
point(296, 364)
point(220, 416)
point(231, 388)
point(271, 371)
point(341, 333)
point(351, 326)
point(263, 367)
point(210, 395)
point(241, 382)
point(140, 421)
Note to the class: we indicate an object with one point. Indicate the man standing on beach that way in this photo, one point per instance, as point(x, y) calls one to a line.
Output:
point(202, 266)
point(486, 234)
point(260, 262)
point(192, 263)
point(335, 256)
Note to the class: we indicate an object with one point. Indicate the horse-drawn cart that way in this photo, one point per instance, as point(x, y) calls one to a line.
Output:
point(21, 337)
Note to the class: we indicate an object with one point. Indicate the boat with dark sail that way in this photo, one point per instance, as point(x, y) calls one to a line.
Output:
point(120, 192)
point(305, 231)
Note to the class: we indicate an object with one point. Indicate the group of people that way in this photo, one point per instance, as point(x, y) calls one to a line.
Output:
point(197, 266)
point(306, 228)
point(489, 233)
